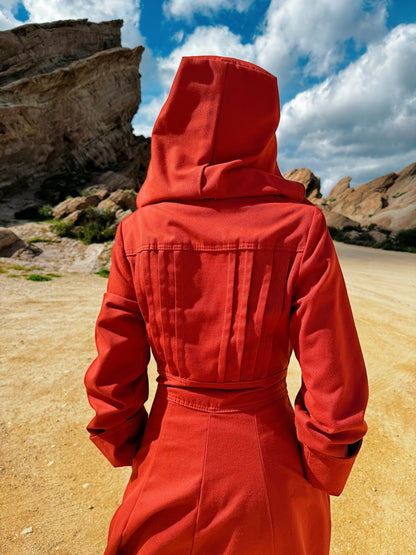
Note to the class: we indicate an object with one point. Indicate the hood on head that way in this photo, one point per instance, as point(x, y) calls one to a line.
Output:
point(215, 135)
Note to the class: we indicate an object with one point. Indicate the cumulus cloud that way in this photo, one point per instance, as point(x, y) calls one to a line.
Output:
point(214, 41)
point(361, 120)
point(145, 118)
point(94, 10)
point(292, 30)
point(316, 31)
point(185, 9)
point(7, 15)
point(217, 41)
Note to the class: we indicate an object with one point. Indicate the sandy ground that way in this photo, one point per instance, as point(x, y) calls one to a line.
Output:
point(58, 492)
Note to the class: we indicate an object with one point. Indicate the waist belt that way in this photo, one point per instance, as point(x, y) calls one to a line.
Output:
point(223, 400)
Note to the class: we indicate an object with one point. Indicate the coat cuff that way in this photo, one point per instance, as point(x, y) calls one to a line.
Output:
point(120, 444)
point(326, 472)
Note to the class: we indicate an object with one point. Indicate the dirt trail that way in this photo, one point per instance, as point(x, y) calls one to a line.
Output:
point(58, 488)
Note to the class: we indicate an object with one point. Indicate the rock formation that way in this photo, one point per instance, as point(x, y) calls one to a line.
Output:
point(67, 97)
point(381, 213)
point(308, 179)
point(12, 245)
point(68, 93)
point(388, 202)
point(35, 49)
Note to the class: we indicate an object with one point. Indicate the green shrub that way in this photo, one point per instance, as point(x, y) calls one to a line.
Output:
point(103, 273)
point(63, 229)
point(91, 190)
point(38, 277)
point(45, 212)
point(406, 239)
point(98, 226)
point(39, 240)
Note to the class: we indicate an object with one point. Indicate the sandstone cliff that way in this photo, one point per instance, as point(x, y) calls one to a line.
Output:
point(379, 213)
point(68, 93)
point(388, 201)
point(41, 48)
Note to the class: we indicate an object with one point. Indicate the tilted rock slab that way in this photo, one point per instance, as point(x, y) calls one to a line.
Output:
point(388, 201)
point(71, 119)
point(41, 48)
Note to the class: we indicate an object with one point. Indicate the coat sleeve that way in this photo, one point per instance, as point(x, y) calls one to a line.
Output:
point(329, 408)
point(116, 382)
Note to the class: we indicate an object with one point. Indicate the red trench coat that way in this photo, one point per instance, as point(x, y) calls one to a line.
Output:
point(222, 271)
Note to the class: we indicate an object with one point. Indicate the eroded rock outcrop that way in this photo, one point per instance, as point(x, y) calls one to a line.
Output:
point(308, 179)
point(380, 213)
point(388, 201)
point(41, 48)
point(68, 93)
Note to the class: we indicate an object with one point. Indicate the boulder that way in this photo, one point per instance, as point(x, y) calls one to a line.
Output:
point(125, 199)
point(7, 238)
point(121, 214)
point(108, 204)
point(12, 245)
point(378, 236)
point(71, 205)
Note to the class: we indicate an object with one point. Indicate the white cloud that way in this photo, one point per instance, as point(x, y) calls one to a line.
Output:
point(145, 118)
point(292, 30)
point(178, 37)
point(359, 121)
point(7, 15)
point(95, 10)
point(185, 9)
point(215, 41)
point(316, 31)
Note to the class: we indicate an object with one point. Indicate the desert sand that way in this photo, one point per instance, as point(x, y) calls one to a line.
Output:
point(58, 492)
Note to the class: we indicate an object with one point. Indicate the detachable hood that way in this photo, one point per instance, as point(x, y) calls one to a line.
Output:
point(215, 135)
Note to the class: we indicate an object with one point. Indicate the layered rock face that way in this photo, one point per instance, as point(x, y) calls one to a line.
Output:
point(67, 97)
point(35, 49)
point(387, 202)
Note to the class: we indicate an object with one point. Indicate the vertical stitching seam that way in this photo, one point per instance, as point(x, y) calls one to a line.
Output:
point(259, 319)
point(200, 485)
point(214, 135)
point(264, 480)
point(214, 138)
point(228, 316)
point(246, 275)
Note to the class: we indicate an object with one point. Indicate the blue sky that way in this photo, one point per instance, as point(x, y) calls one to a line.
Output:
point(345, 68)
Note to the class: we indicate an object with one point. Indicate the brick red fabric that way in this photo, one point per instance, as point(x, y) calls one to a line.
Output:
point(223, 271)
